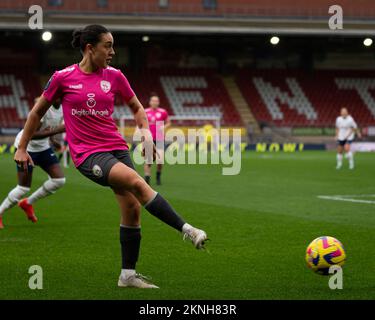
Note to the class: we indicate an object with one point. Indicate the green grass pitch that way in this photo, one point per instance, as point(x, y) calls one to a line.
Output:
point(260, 223)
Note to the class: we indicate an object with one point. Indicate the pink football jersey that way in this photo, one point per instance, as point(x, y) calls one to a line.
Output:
point(153, 116)
point(88, 105)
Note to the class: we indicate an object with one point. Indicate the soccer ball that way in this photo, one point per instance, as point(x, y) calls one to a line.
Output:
point(324, 252)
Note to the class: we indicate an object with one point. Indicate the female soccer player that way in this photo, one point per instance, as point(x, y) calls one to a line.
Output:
point(346, 128)
point(42, 155)
point(156, 114)
point(97, 149)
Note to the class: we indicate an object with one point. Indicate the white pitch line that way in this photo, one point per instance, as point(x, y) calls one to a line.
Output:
point(341, 198)
point(350, 195)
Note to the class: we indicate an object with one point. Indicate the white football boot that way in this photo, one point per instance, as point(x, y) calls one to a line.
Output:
point(197, 237)
point(136, 281)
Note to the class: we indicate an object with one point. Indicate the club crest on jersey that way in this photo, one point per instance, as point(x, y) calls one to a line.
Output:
point(105, 85)
point(90, 100)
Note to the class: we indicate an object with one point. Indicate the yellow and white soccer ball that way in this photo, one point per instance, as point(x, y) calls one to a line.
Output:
point(324, 252)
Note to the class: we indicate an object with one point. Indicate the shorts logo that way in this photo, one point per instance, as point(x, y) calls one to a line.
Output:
point(97, 171)
point(91, 101)
point(105, 85)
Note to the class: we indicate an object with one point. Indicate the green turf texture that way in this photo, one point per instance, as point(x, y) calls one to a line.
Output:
point(259, 222)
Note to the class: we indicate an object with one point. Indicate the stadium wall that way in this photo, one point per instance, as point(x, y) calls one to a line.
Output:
point(264, 8)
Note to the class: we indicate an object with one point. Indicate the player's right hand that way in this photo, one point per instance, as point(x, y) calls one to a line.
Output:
point(23, 159)
point(147, 146)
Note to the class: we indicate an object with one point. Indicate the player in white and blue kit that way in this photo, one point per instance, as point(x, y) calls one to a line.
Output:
point(43, 156)
point(346, 128)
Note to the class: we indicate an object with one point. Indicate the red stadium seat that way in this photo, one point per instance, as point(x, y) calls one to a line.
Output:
point(324, 92)
point(202, 90)
point(17, 93)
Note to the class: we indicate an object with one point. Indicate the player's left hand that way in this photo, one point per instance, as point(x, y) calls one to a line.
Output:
point(23, 159)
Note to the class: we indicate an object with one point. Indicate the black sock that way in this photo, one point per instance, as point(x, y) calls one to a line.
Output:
point(147, 179)
point(130, 239)
point(158, 174)
point(160, 208)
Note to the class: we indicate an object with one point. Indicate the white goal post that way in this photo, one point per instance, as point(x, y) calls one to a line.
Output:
point(215, 119)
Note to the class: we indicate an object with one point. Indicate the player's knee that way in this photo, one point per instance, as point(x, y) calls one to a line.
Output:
point(17, 193)
point(138, 185)
point(141, 190)
point(54, 184)
point(23, 190)
point(59, 182)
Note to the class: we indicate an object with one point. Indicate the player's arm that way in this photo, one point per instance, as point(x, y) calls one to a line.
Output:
point(358, 132)
point(140, 116)
point(337, 134)
point(167, 124)
point(32, 123)
point(352, 130)
point(356, 129)
point(141, 121)
point(48, 132)
point(337, 129)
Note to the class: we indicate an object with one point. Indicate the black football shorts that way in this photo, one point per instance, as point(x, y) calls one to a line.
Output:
point(43, 159)
point(97, 166)
point(344, 142)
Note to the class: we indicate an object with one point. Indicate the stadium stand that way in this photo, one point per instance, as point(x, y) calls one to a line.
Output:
point(182, 92)
point(188, 92)
point(296, 98)
point(281, 97)
point(17, 93)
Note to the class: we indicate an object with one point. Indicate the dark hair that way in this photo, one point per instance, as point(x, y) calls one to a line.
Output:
point(154, 94)
point(89, 34)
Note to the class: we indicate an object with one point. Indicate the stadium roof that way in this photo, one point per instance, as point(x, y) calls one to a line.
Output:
point(60, 21)
point(192, 16)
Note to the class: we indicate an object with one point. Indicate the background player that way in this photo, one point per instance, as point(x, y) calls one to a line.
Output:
point(98, 150)
point(154, 114)
point(42, 155)
point(64, 155)
point(346, 128)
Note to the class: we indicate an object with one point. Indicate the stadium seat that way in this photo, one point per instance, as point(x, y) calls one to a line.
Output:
point(17, 92)
point(295, 98)
point(187, 92)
